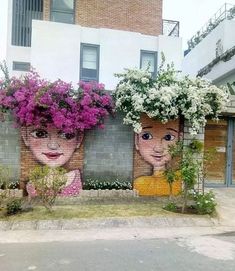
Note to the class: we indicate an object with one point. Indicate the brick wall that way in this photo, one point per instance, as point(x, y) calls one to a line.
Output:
point(46, 10)
point(130, 15)
point(28, 162)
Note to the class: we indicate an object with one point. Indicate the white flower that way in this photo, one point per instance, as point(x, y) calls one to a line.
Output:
point(194, 99)
point(144, 80)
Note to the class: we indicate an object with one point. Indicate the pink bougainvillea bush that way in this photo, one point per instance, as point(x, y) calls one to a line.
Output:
point(38, 102)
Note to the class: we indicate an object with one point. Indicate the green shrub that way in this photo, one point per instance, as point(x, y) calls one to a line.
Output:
point(14, 206)
point(171, 206)
point(47, 183)
point(205, 203)
point(98, 184)
point(5, 176)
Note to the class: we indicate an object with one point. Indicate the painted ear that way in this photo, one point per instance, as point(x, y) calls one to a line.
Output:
point(136, 141)
point(25, 136)
point(181, 136)
point(80, 138)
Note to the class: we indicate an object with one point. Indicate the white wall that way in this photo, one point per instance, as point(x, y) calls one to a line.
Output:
point(222, 69)
point(3, 29)
point(172, 49)
point(7, 51)
point(205, 51)
point(55, 51)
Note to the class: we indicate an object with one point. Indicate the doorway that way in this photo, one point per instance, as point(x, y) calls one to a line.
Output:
point(216, 141)
point(221, 137)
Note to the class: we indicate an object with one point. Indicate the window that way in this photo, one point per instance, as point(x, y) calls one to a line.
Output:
point(21, 66)
point(148, 60)
point(89, 62)
point(24, 11)
point(62, 11)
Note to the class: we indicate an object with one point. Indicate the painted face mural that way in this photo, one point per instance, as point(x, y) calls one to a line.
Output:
point(50, 146)
point(54, 148)
point(153, 145)
point(154, 141)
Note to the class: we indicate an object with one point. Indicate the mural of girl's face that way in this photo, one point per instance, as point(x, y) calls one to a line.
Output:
point(51, 146)
point(154, 141)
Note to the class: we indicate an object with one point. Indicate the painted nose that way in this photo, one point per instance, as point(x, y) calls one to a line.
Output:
point(53, 145)
point(158, 147)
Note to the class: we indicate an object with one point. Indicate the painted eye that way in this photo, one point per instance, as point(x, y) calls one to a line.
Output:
point(147, 136)
point(67, 136)
point(169, 137)
point(39, 133)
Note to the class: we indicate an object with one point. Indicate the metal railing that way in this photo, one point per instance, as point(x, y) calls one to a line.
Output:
point(227, 11)
point(170, 28)
point(24, 11)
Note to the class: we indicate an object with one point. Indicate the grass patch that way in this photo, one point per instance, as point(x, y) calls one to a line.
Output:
point(94, 209)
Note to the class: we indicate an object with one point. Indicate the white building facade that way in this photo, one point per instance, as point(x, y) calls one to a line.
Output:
point(211, 55)
point(50, 36)
point(55, 49)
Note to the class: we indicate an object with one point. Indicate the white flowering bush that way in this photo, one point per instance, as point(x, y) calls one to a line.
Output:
point(205, 203)
point(167, 97)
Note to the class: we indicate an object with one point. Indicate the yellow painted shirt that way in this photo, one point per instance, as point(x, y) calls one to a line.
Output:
point(156, 185)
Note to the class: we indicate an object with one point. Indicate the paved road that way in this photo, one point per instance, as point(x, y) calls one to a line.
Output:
point(195, 253)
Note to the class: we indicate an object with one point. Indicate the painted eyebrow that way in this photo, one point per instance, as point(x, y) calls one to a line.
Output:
point(147, 127)
point(172, 129)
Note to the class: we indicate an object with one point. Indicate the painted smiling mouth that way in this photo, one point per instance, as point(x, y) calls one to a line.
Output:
point(52, 156)
point(158, 157)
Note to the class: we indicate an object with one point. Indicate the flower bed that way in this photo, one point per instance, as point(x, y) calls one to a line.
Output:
point(8, 193)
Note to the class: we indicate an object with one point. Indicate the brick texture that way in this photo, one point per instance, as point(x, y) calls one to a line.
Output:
point(46, 10)
point(28, 162)
point(130, 15)
point(141, 168)
point(145, 179)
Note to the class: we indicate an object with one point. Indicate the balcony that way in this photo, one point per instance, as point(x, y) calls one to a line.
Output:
point(170, 28)
point(227, 11)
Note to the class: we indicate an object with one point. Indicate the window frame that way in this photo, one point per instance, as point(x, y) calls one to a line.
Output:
point(155, 54)
point(23, 12)
point(62, 11)
point(97, 47)
point(25, 66)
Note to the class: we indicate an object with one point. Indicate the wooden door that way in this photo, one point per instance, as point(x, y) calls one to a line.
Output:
point(216, 142)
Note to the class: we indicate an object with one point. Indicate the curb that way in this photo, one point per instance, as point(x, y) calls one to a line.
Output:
point(78, 224)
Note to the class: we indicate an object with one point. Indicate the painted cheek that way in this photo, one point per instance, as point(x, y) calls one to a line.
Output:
point(68, 147)
point(37, 144)
point(68, 144)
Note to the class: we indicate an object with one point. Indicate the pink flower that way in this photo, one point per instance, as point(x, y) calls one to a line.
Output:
point(35, 101)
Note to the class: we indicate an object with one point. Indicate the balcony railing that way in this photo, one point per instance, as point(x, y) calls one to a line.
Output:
point(227, 11)
point(24, 11)
point(170, 28)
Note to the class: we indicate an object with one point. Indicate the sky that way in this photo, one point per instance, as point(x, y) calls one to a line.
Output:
point(192, 14)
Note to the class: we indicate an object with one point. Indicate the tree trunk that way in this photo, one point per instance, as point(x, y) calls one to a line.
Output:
point(185, 199)
point(171, 194)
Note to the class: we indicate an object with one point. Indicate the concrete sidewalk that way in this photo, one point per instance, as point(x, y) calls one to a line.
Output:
point(136, 222)
point(225, 199)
